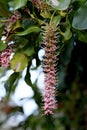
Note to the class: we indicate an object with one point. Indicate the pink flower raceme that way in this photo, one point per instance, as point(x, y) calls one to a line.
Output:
point(49, 67)
point(5, 57)
point(11, 21)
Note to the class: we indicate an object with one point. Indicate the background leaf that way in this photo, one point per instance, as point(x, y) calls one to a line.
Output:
point(19, 3)
point(2, 46)
point(56, 19)
point(28, 76)
point(63, 4)
point(80, 18)
point(19, 62)
point(4, 11)
point(82, 36)
point(29, 30)
point(10, 82)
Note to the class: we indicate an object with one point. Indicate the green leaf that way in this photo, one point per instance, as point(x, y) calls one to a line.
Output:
point(19, 62)
point(57, 19)
point(4, 9)
point(1, 30)
point(67, 34)
point(16, 25)
point(20, 42)
point(29, 51)
point(10, 82)
point(29, 30)
point(28, 76)
point(82, 36)
point(1, 24)
point(80, 18)
point(45, 15)
point(26, 23)
point(63, 4)
point(2, 46)
point(19, 3)
point(60, 4)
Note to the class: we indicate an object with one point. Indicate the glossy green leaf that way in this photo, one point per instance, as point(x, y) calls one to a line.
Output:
point(63, 4)
point(19, 3)
point(60, 4)
point(56, 20)
point(82, 36)
point(2, 46)
point(19, 62)
point(29, 30)
point(80, 18)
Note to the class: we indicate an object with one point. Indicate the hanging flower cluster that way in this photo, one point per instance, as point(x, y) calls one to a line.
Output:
point(49, 67)
point(13, 18)
point(5, 57)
